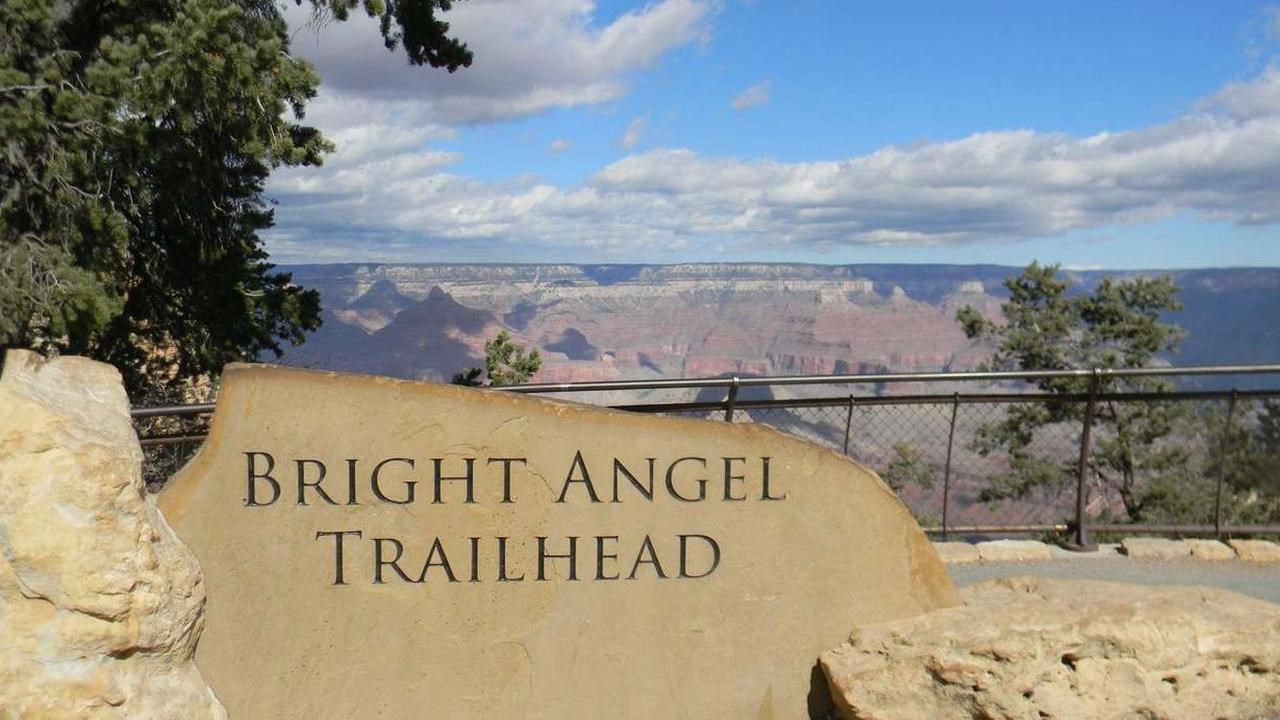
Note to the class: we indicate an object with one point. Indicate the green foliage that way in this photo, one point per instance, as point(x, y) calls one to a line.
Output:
point(1118, 325)
point(1246, 452)
point(135, 139)
point(908, 467)
point(411, 24)
point(506, 362)
point(45, 296)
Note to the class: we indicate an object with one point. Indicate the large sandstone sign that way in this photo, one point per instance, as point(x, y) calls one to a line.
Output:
point(384, 549)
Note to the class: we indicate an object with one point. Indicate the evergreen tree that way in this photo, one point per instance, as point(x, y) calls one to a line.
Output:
point(1246, 452)
point(506, 362)
point(1119, 325)
point(908, 468)
point(135, 139)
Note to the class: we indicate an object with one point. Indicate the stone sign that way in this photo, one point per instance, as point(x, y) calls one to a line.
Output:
point(389, 549)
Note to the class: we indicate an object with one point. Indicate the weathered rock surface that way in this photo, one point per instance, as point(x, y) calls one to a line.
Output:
point(1256, 550)
point(1210, 550)
point(1045, 648)
point(1013, 551)
point(100, 604)
point(1147, 548)
point(956, 552)
point(406, 550)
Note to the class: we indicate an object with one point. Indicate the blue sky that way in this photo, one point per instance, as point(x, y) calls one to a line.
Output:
point(1119, 135)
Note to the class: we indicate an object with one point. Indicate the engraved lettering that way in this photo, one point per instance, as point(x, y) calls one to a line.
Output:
point(468, 478)
point(253, 476)
point(409, 484)
point(702, 482)
point(645, 490)
point(581, 466)
point(338, 566)
point(393, 563)
point(684, 556)
point(303, 484)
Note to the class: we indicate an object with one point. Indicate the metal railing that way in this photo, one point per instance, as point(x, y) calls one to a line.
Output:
point(944, 425)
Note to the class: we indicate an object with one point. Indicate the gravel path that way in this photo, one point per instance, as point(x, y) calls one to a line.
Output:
point(1260, 580)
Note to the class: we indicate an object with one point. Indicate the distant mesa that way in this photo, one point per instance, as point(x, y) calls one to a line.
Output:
point(382, 295)
point(376, 308)
point(441, 311)
point(574, 345)
point(647, 362)
point(711, 319)
point(519, 317)
point(612, 274)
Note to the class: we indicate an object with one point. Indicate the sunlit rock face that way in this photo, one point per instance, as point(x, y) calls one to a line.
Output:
point(406, 550)
point(1044, 648)
point(100, 604)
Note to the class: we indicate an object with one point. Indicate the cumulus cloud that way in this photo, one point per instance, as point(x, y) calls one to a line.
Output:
point(632, 133)
point(559, 145)
point(530, 56)
point(1221, 159)
point(754, 96)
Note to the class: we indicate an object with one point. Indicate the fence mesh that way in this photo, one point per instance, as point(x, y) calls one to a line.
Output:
point(1151, 461)
point(1183, 460)
point(161, 455)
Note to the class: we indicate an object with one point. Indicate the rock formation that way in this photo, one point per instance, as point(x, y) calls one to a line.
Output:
point(450, 552)
point(100, 604)
point(1043, 648)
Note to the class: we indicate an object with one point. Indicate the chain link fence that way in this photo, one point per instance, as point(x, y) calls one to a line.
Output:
point(944, 472)
point(1177, 462)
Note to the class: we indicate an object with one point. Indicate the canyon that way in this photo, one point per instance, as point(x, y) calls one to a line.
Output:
point(635, 322)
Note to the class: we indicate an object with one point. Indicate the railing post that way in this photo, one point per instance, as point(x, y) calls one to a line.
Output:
point(848, 424)
point(1222, 465)
point(731, 400)
point(946, 473)
point(1082, 539)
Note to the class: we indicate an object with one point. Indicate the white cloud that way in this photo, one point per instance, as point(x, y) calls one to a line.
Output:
point(530, 56)
point(754, 96)
point(1258, 98)
point(631, 134)
point(1220, 160)
point(559, 145)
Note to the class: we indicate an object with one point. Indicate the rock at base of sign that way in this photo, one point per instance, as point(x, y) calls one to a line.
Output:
point(1013, 551)
point(1256, 550)
point(1040, 647)
point(1147, 548)
point(100, 604)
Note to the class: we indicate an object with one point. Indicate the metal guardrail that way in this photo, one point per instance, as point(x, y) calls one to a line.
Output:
point(866, 379)
point(1080, 528)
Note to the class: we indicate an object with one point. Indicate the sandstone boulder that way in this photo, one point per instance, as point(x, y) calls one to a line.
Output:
point(100, 604)
point(1148, 548)
point(1046, 648)
point(1013, 551)
point(956, 552)
point(1256, 550)
point(1210, 550)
